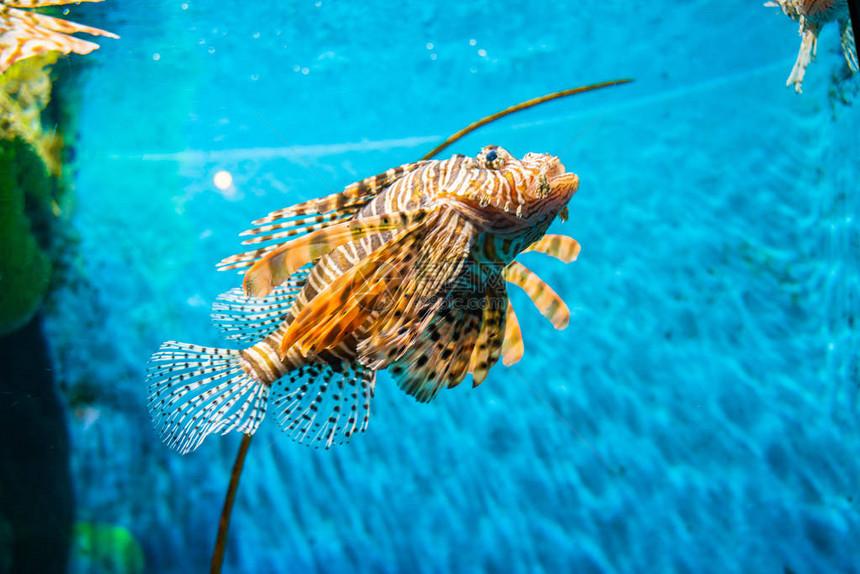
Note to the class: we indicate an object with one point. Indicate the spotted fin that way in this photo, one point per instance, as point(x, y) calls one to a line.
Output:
point(250, 319)
point(197, 391)
point(488, 347)
point(322, 405)
point(559, 246)
point(26, 34)
point(441, 357)
point(512, 346)
point(545, 299)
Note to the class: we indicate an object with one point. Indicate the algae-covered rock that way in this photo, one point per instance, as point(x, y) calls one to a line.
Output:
point(101, 548)
point(26, 193)
point(25, 92)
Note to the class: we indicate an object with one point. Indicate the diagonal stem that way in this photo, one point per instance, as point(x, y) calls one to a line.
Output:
point(224, 523)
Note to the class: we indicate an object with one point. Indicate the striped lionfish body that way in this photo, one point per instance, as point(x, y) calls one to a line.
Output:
point(404, 271)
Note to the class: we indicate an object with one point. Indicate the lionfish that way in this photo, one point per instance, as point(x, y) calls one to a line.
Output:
point(813, 15)
point(25, 34)
point(405, 271)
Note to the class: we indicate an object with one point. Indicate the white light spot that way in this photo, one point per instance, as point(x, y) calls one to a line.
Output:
point(185, 6)
point(482, 53)
point(255, 35)
point(156, 56)
point(223, 180)
point(211, 50)
point(473, 42)
point(305, 71)
point(831, 346)
point(429, 45)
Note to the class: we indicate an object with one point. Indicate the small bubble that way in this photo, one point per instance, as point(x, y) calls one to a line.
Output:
point(156, 56)
point(185, 6)
point(429, 45)
point(255, 35)
point(305, 71)
point(201, 42)
point(297, 68)
point(432, 56)
point(473, 42)
point(482, 53)
point(255, 77)
point(473, 70)
point(211, 50)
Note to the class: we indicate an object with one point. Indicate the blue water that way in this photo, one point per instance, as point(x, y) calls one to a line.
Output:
point(700, 413)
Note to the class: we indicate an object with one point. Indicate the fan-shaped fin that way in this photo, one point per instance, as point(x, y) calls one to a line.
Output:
point(250, 319)
point(321, 405)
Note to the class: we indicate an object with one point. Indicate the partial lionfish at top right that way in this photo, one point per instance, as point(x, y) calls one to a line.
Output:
point(813, 15)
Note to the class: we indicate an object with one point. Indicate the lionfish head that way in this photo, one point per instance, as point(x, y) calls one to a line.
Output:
point(518, 194)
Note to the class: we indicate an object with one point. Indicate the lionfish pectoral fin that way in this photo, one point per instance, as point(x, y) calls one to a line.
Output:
point(512, 346)
point(322, 405)
point(197, 391)
point(277, 265)
point(345, 302)
point(441, 357)
point(414, 296)
point(561, 247)
point(545, 299)
point(488, 347)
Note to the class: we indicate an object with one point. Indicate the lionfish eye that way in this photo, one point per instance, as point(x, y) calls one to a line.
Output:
point(493, 160)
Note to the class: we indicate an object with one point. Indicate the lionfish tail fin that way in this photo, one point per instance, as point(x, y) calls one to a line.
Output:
point(196, 391)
